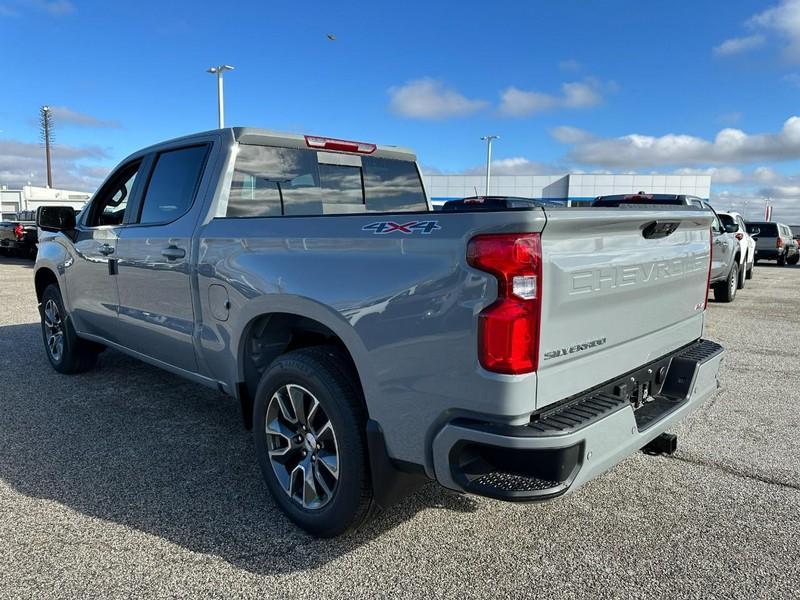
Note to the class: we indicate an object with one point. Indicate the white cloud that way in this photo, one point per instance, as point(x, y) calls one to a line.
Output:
point(728, 146)
point(738, 45)
point(515, 102)
point(62, 114)
point(570, 65)
point(21, 162)
point(430, 99)
point(570, 135)
point(718, 174)
point(14, 8)
point(580, 95)
point(783, 19)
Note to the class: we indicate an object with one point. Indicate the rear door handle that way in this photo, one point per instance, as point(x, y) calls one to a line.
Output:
point(106, 249)
point(173, 253)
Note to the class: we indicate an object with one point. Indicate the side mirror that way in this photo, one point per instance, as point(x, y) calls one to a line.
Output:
point(731, 228)
point(55, 218)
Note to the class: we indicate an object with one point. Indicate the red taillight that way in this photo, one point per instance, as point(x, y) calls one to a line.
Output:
point(710, 261)
point(508, 329)
point(779, 243)
point(342, 145)
point(19, 231)
point(740, 236)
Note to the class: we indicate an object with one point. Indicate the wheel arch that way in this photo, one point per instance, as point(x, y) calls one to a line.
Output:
point(43, 277)
point(267, 334)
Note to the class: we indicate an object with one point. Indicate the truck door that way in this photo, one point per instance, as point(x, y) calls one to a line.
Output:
point(91, 286)
point(154, 256)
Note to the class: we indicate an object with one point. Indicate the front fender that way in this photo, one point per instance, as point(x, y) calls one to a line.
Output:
point(54, 256)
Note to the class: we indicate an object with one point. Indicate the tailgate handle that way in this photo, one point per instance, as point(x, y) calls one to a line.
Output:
point(659, 229)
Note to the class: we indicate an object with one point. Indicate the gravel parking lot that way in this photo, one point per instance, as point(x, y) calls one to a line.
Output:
point(127, 481)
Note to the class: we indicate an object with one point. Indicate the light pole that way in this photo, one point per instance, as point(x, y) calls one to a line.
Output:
point(46, 121)
point(488, 139)
point(218, 71)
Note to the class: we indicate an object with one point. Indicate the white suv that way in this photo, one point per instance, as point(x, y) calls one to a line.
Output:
point(734, 225)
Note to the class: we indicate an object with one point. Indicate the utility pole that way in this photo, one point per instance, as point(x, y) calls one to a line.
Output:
point(218, 71)
point(488, 139)
point(46, 124)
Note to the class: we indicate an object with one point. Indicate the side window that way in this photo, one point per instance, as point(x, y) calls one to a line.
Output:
point(173, 184)
point(111, 202)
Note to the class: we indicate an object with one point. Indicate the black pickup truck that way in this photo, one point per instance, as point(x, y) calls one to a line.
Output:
point(18, 235)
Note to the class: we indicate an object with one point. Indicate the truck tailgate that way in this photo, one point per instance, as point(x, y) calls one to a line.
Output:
point(617, 292)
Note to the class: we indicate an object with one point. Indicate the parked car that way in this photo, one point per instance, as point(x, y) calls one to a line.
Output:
point(774, 242)
point(18, 235)
point(372, 343)
point(494, 203)
point(734, 225)
point(727, 272)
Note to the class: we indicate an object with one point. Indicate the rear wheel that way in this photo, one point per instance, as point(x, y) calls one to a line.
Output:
point(66, 352)
point(740, 280)
point(309, 428)
point(782, 260)
point(749, 274)
point(725, 291)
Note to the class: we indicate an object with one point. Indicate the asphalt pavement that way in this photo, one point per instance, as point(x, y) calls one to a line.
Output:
point(130, 482)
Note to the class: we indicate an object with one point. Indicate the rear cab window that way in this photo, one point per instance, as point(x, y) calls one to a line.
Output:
point(766, 229)
point(272, 181)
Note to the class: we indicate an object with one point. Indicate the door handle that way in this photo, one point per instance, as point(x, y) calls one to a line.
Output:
point(106, 249)
point(173, 253)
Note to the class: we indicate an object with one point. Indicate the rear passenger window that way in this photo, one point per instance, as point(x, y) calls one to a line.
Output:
point(173, 184)
point(270, 181)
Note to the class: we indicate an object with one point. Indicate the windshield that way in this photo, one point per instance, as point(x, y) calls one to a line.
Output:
point(620, 199)
point(727, 220)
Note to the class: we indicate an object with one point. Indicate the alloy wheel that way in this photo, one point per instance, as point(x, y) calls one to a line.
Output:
point(302, 446)
point(54, 330)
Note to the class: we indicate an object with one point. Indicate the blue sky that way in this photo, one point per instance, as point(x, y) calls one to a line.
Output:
point(591, 86)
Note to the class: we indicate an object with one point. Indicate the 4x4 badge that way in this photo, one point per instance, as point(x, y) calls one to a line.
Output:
point(384, 227)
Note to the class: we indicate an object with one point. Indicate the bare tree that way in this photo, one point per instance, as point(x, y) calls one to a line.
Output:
point(46, 128)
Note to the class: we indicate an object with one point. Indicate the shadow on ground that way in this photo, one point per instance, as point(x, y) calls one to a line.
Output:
point(131, 444)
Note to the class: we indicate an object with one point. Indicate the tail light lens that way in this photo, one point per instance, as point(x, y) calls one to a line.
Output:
point(19, 231)
point(740, 236)
point(508, 329)
point(779, 243)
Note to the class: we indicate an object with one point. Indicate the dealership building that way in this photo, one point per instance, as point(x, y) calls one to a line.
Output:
point(572, 189)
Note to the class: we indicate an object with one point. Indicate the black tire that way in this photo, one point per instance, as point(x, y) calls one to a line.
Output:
point(320, 371)
point(782, 260)
point(726, 290)
point(749, 274)
point(794, 259)
point(742, 277)
point(76, 355)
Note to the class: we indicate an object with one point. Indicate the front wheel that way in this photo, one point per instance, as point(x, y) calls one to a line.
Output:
point(309, 428)
point(726, 290)
point(793, 260)
point(66, 352)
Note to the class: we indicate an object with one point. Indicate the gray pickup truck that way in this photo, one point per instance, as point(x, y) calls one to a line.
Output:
point(372, 343)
